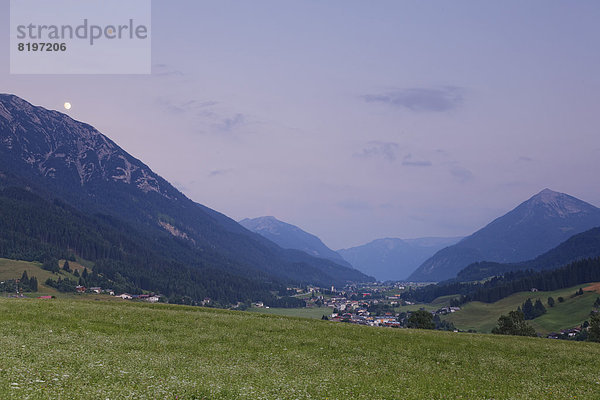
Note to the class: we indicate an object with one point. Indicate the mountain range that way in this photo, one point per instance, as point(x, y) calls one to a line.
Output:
point(394, 259)
point(290, 236)
point(58, 159)
point(578, 247)
point(531, 229)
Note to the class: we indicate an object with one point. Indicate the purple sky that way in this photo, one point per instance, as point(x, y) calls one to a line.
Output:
point(355, 120)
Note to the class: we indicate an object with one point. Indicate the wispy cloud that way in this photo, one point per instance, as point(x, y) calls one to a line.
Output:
point(376, 149)
point(389, 151)
point(353, 204)
point(409, 161)
point(219, 172)
point(441, 99)
point(229, 124)
point(165, 70)
point(460, 173)
point(209, 116)
point(193, 107)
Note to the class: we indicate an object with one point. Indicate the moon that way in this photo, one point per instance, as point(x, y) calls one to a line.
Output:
point(67, 106)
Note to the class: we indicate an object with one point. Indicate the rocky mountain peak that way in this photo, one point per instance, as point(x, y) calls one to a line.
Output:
point(60, 147)
point(559, 204)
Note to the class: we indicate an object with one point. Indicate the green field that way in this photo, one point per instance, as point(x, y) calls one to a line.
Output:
point(11, 269)
point(67, 349)
point(312, 312)
point(483, 317)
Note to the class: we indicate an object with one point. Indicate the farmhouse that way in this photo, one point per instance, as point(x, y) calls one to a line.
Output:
point(205, 301)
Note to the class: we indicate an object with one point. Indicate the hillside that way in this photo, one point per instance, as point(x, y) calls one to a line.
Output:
point(289, 236)
point(578, 247)
point(34, 229)
point(483, 317)
point(392, 258)
point(531, 229)
point(13, 269)
point(77, 349)
point(64, 161)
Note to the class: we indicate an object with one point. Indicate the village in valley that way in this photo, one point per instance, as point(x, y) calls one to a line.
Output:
point(373, 304)
point(376, 304)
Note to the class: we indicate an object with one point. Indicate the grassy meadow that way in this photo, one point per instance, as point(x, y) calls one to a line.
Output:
point(483, 317)
point(312, 312)
point(12, 269)
point(80, 349)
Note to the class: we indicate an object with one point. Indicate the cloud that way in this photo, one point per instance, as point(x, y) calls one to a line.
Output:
point(441, 99)
point(461, 173)
point(194, 107)
point(230, 123)
point(353, 205)
point(164, 70)
point(408, 161)
point(219, 172)
point(208, 116)
point(375, 149)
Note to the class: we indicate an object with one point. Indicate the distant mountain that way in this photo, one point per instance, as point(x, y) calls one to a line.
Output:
point(394, 259)
point(581, 246)
point(534, 227)
point(60, 159)
point(290, 236)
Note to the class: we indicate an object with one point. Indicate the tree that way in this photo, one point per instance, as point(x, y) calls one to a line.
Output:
point(513, 324)
point(455, 302)
point(421, 319)
point(33, 284)
point(51, 264)
point(597, 302)
point(25, 278)
point(443, 325)
point(594, 330)
point(577, 293)
point(76, 273)
point(539, 308)
point(550, 301)
point(528, 310)
point(84, 274)
point(66, 267)
point(561, 299)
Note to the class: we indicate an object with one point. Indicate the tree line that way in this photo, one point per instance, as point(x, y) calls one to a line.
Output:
point(34, 229)
point(25, 284)
point(497, 288)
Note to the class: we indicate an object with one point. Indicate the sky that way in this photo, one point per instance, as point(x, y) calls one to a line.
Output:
point(354, 120)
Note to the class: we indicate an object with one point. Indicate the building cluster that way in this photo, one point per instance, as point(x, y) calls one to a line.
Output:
point(389, 319)
point(151, 298)
point(357, 311)
point(565, 333)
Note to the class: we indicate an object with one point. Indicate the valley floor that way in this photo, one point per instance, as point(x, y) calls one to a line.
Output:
point(79, 349)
